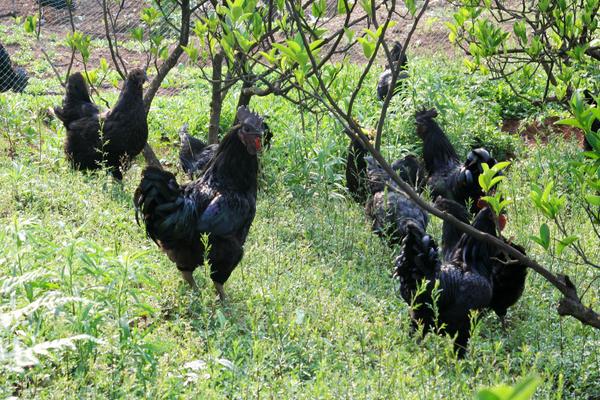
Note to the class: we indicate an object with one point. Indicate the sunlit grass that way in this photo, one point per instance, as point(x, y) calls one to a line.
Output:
point(313, 311)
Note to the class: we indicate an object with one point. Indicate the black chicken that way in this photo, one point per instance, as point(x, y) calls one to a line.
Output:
point(508, 275)
point(465, 280)
point(57, 4)
point(447, 177)
point(222, 204)
point(451, 235)
point(389, 207)
point(385, 79)
point(508, 279)
point(112, 138)
point(77, 102)
point(11, 78)
point(356, 171)
point(194, 154)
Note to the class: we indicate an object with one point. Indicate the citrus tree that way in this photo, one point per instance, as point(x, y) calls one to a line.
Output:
point(523, 40)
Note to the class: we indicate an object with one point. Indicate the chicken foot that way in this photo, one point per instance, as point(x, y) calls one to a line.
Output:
point(220, 290)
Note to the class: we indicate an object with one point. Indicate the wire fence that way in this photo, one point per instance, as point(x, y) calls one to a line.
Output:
point(58, 18)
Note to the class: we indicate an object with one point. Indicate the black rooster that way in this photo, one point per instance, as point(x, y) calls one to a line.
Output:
point(385, 79)
point(389, 207)
point(11, 78)
point(449, 178)
point(194, 154)
point(112, 138)
point(508, 275)
point(465, 280)
point(222, 204)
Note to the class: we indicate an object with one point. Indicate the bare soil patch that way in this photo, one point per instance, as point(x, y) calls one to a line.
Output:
point(542, 131)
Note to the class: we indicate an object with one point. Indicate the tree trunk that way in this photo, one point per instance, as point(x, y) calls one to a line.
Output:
point(216, 101)
point(245, 95)
point(163, 70)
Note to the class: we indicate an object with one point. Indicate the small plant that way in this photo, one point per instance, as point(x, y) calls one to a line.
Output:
point(523, 390)
point(489, 180)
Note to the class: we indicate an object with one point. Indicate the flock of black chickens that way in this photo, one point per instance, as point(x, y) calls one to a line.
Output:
point(216, 208)
point(441, 288)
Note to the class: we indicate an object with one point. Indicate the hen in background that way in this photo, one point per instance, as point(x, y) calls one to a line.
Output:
point(450, 234)
point(57, 4)
point(113, 138)
point(194, 154)
point(356, 171)
point(222, 204)
point(11, 78)
point(385, 79)
point(77, 102)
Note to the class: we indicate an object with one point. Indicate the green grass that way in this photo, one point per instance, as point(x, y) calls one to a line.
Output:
point(313, 311)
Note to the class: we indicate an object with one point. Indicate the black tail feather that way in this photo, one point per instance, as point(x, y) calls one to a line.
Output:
point(159, 201)
point(418, 260)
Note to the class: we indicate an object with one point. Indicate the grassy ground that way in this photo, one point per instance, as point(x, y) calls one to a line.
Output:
point(313, 312)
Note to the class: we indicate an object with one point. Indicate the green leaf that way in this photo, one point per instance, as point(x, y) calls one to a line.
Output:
point(564, 243)
point(593, 200)
point(500, 166)
point(257, 26)
point(316, 44)
point(236, 13)
point(294, 46)
point(411, 5)
point(285, 50)
point(537, 240)
point(103, 65)
point(318, 8)
point(270, 56)
point(495, 180)
point(30, 24)
point(570, 121)
point(341, 7)
point(137, 34)
point(191, 51)
point(349, 34)
point(164, 53)
point(367, 46)
point(525, 389)
point(366, 6)
point(545, 236)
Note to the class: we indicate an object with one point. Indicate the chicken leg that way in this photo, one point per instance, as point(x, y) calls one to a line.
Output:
point(220, 291)
point(189, 278)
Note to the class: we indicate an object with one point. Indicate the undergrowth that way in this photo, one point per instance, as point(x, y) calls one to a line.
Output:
point(90, 308)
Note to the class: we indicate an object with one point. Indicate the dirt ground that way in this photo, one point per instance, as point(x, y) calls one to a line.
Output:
point(430, 37)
